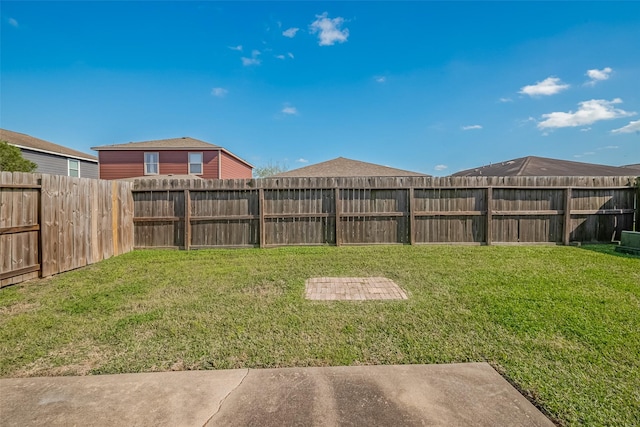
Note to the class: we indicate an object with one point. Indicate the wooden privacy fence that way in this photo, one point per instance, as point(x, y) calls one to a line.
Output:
point(50, 224)
point(405, 210)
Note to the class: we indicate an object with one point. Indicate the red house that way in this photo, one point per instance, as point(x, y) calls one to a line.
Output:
point(176, 156)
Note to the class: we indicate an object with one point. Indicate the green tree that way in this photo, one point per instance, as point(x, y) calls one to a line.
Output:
point(11, 159)
point(270, 169)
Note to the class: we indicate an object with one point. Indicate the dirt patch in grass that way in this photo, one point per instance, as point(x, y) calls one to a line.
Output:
point(71, 359)
point(19, 308)
point(266, 288)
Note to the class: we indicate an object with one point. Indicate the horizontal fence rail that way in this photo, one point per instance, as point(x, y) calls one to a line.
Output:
point(50, 224)
point(405, 210)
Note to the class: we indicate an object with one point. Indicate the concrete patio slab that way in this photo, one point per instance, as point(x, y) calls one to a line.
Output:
point(352, 289)
point(469, 394)
point(186, 398)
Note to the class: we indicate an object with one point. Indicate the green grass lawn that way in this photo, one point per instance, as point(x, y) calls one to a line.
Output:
point(561, 323)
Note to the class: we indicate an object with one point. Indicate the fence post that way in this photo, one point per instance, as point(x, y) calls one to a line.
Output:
point(338, 229)
point(489, 215)
point(187, 219)
point(40, 233)
point(412, 217)
point(263, 233)
point(114, 216)
point(636, 205)
point(567, 216)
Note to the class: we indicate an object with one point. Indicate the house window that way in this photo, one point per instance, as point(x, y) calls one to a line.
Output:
point(195, 163)
point(74, 167)
point(151, 163)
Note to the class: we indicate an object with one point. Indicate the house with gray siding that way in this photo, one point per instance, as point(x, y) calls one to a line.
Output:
point(52, 158)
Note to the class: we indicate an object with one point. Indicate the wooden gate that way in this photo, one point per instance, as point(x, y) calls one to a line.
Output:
point(51, 223)
point(20, 236)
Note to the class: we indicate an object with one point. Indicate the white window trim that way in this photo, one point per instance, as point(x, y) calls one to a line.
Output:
point(144, 160)
point(201, 162)
point(69, 167)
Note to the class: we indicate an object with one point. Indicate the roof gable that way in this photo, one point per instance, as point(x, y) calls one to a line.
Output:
point(184, 143)
point(28, 142)
point(543, 166)
point(342, 167)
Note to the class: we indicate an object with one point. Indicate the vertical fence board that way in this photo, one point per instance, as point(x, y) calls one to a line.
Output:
point(187, 219)
point(5, 221)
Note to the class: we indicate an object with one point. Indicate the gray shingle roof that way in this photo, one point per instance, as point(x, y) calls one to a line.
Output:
point(341, 167)
point(29, 142)
point(183, 143)
point(542, 166)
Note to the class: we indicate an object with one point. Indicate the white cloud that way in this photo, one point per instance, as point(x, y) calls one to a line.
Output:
point(589, 112)
point(585, 129)
point(549, 86)
point(329, 30)
point(471, 127)
point(250, 61)
point(13, 22)
point(381, 79)
point(290, 55)
point(219, 92)
point(505, 100)
point(291, 32)
point(609, 147)
point(598, 75)
point(253, 60)
point(630, 128)
point(441, 167)
point(238, 48)
point(301, 160)
point(280, 56)
point(292, 111)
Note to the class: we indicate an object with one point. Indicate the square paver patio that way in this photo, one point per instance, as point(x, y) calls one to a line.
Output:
point(352, 289)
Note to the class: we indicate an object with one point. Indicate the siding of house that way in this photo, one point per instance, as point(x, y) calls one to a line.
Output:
point(58, 165)
point(89, 170)
point(130, 163)
point(233, 168)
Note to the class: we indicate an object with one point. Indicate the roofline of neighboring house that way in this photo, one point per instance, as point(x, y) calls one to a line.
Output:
point(149, 147)
point(213, 148)
point(71, 156)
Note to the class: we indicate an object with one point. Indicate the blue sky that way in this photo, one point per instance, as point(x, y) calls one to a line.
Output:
point(433, 87)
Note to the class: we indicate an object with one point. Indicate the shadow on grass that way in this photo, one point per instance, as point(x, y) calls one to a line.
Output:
point(608, 249)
